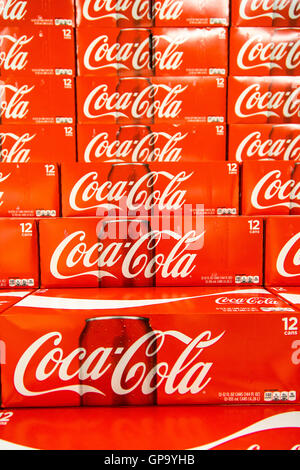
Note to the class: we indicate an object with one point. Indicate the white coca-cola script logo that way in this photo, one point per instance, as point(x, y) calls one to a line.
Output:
point(139, 194)
point(138, 10)
point(99, 103)
point(253, 102)
point(256, 54)
point(271, 186)
point(15, 107)
point(168, 10)
point(178, 262)
point(253, 146)
point(15, 59)
point(13, 10)
point(273, 9)
point(144, 151)
point(186, 375)
point(94, 10)
point(100, 54)
point(244, 300)
point(289, 256)
point(15, 152)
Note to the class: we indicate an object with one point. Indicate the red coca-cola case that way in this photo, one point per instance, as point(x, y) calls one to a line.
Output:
point(168, 13)
point(249, 142)
point(166, 143)
point(10, 297)
point(91, 347)
point(139, 252)
point(148, 101)
point(37, 143)
point(264, 100)
point(265, 51)
point(292, 296)
point(45, 13)
point(276, 13)
point(152, 52)
point(282, 251)
point(48, 100)
point(150, 189)
point(269, 427)
point(270, 188)
point(29, 190)
point(19, 263)
point(37, 50)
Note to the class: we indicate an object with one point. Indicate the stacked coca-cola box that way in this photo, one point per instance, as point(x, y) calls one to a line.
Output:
point(162, 240)
point(38, 116)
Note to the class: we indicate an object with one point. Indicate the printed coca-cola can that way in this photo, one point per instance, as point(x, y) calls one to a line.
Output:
point(30, 190)
point(126, 232)
point(258, 13)
point(270, 188)
point(148, 101)
point(265, 51)
point(165, 143)
point(249, 142)
point(125, 332)
point(282, 237)
point(264, 100)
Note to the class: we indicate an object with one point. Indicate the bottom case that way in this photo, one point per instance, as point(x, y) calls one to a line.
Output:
point(149, 346)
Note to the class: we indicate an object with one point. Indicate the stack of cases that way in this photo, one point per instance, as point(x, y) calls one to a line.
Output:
point(37, 126)
point(180, 194)
point(264, 125)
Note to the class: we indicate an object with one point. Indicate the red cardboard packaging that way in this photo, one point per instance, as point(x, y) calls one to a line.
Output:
point(203, 188)
point(48, 100)
point(264, 142)
point(19, 262)
point(156, 251)
point(157, 143)
point(116, 347)
point(29, 190)
point(37, 143)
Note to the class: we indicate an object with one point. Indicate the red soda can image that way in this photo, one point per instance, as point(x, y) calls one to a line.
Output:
point(142, 107)
point(135, 144)
point(137, 199)
point(136, 242)
point(139, 61)
point(128, 375)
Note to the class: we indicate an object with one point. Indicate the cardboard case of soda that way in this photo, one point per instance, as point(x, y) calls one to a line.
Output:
point(149, 224)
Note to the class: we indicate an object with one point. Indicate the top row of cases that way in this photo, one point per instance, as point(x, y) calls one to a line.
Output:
point(131, 13)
